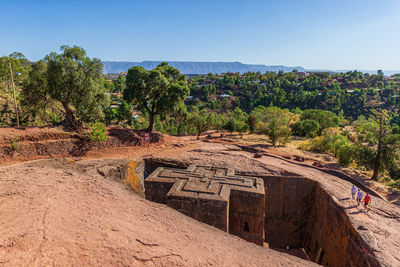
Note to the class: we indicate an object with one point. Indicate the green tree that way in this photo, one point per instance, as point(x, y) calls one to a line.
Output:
point(201, 120)
point(35, 98)
point(363, 155)
point(380, 74)
point(240, 119)
point(73, 79)
point(387, 144)
point(18, 64)
point(120, 84)
point(124, 113)
point(379, 143)
point(324, 118)
point(308, 128)
point(158, 91)
point(236, 121)
point(274, 122)
point(13, 70)
point(217, 121)
point(345, 154)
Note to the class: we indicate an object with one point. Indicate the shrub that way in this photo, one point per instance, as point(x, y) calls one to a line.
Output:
point(363, 155)
point(353, 138)
point(345, 154)
point(395, 184)
point(298, 128)
point(237, 121)
point(308, 128)
point(124, 113)
point(55, 118)
point(97, 132)
point(110, 115)
point(394, 172)
point(311, 128)
point(274, 122)
point(330, 141)
point(14, 145)
point(326, 119)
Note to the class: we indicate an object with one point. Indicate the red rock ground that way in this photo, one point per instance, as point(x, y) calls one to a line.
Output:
point(381, 223)
point(61, 215)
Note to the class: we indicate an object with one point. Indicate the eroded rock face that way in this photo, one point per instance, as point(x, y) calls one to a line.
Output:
point(331, 239)
point(56, 142)
point(300, 214)
point(288, 205)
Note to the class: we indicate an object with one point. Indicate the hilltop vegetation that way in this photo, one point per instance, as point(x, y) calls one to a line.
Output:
point(352, 115)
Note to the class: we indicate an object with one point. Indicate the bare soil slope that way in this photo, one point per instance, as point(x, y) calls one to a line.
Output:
point(65, 214)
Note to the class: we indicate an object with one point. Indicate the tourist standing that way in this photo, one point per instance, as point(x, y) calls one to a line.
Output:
point(359, 197)
point(353, 192)
point(367, 199)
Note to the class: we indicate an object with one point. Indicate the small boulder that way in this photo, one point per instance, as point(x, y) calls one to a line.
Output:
point(298, 158)
point(258, 155)
point(362, 228)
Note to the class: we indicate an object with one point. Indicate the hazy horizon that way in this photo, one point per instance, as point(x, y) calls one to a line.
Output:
point(234, 61)
point(339, 35)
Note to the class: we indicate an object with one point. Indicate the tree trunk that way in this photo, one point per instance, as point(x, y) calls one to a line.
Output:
point(377, 164)
point(15, 100)
point(69, 122)
point(151, 122)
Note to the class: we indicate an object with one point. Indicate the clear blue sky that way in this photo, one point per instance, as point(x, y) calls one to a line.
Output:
point(336, 34)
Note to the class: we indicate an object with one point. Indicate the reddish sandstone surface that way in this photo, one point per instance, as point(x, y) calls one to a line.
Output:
point(379, 228)
point(73, 216)
point(65, 214)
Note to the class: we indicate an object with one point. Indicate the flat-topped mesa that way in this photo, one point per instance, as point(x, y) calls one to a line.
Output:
point(216, 196)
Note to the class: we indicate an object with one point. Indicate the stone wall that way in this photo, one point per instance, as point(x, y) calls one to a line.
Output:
point(151, 164)
point(299, 213)
point(331, 239)
point(212, 212)
point(246, 216)
point(215, 196)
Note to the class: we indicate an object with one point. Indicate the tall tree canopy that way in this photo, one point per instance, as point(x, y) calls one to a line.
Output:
point(274, 122)
point(324, 118)
point(19, 67)
point(388, 143)
point(73, 79)
point(157, 91)
point(35, 98)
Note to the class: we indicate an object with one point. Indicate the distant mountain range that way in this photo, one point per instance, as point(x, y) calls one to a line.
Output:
point(386, 72)
point(187, 67)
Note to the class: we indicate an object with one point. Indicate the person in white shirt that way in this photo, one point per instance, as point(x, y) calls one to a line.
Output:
point(359, 197)
point(353, 192)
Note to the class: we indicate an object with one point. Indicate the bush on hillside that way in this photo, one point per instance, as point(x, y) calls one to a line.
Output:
point(345, 154)
point(97, 132)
